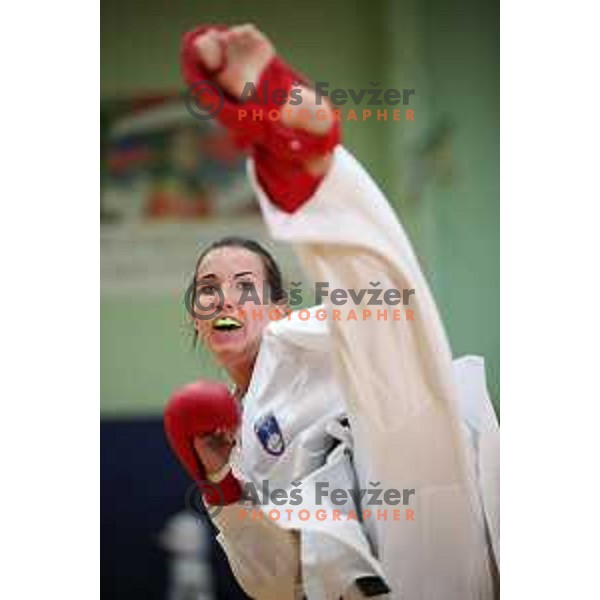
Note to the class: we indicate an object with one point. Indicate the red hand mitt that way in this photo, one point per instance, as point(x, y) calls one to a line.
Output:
point(280, 152)
point(201, 408)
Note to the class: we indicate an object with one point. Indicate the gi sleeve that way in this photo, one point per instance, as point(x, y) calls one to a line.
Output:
point(263, 557)
point(397, 377)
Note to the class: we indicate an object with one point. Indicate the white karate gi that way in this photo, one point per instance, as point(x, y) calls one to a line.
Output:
point(416, 422)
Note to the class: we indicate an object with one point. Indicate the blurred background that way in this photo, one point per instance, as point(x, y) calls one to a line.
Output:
point(171, 183)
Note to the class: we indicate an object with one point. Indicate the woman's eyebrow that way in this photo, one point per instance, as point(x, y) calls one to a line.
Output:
point(213, 276)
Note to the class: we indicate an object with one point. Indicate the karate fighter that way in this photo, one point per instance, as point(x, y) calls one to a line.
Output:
point(336, 402)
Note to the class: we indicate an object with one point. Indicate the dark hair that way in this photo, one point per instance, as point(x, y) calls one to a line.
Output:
point(274, 276)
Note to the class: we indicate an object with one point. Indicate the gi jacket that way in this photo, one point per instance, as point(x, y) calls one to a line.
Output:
point(363, 404)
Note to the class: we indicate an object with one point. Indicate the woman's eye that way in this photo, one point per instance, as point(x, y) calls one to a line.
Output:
point(207, 289)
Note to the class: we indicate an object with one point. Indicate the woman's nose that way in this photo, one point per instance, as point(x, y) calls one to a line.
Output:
point(230, 297)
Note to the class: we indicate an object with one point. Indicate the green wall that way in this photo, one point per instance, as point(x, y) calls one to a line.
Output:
point(449, 52)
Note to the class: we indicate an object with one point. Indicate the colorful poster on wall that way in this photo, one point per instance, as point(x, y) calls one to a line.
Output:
point(159, 163)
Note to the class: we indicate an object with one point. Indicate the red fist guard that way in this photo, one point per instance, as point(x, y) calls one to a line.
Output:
point(197, 410)
point(286, 149)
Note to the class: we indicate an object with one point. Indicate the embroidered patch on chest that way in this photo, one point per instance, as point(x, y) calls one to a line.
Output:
point(269, 434)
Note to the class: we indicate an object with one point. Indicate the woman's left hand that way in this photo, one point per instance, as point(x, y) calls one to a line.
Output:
point(214, 449)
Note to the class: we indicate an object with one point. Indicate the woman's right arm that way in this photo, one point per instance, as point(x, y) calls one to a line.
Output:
point(264, 557)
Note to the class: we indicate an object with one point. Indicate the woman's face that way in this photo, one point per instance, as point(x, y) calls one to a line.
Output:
point(231, 279)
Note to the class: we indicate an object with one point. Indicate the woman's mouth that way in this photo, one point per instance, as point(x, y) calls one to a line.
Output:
point(227, 324)
point(227, 331)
